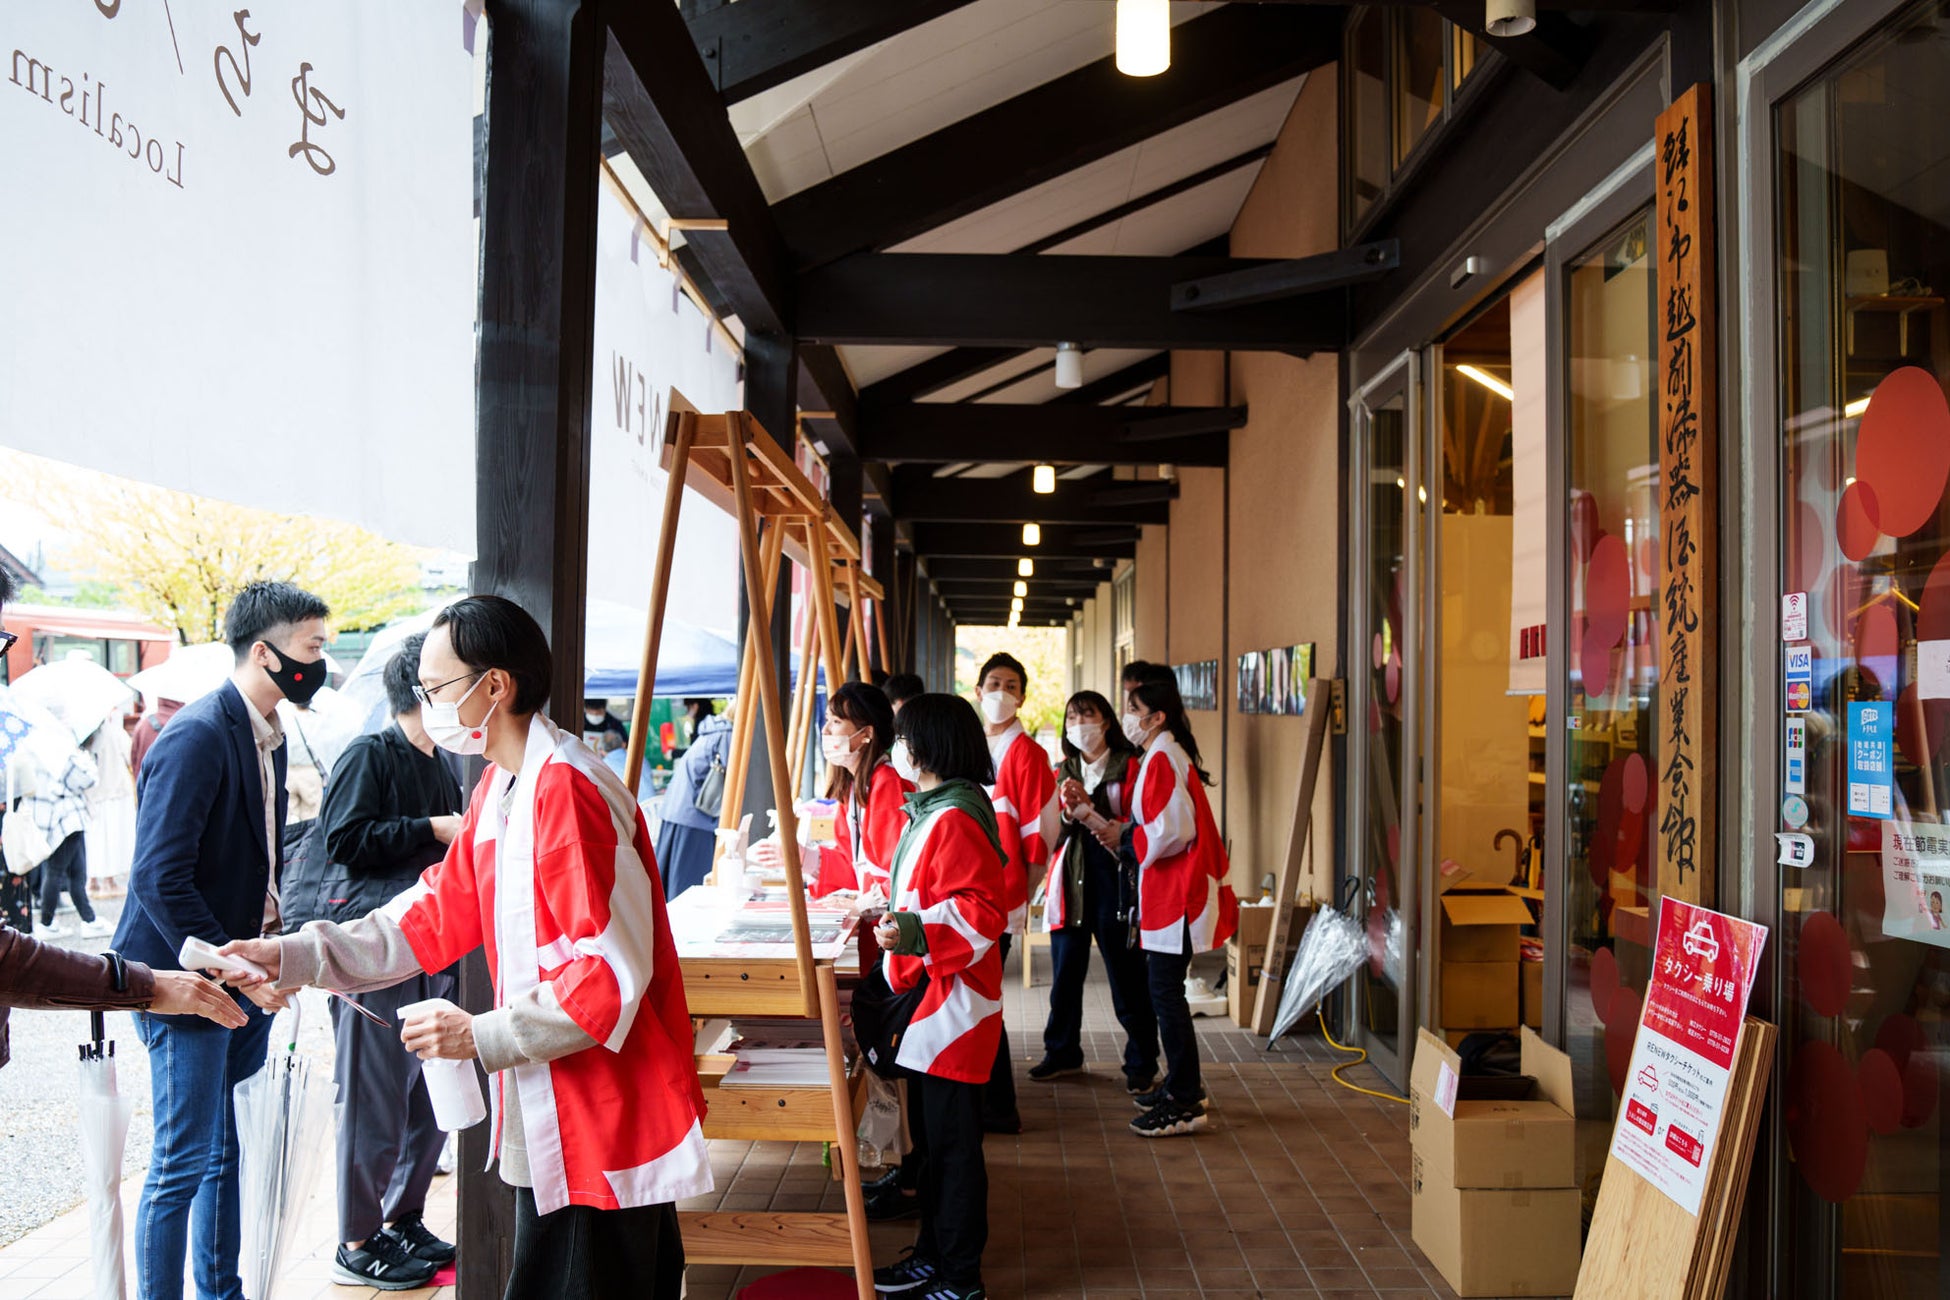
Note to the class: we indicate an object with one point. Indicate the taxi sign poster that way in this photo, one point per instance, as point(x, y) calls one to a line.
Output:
point(1676, 1089)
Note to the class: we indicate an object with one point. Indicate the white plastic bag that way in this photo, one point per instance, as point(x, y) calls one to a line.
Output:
point(882, 1139)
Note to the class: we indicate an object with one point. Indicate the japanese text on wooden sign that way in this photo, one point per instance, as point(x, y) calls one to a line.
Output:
point(1689, 479)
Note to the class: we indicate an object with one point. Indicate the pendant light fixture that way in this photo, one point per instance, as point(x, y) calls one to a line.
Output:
point(1144, 37)
point(1032, 534)
point(1015, 604)
point(1025, 567)
point(1500, 17)
point(1043, 480)
point(1022, 588)
point(1069, 366)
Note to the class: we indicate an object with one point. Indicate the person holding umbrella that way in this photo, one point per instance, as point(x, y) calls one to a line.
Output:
point(599, 1111)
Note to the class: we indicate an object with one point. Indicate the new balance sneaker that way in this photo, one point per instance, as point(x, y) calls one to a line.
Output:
point(1138, 1087)
point(911, 1272)
point(382, 1263)
point(1050, 1068)
point(1169, 1120)
point(420, 1242)
point(1157, 1097)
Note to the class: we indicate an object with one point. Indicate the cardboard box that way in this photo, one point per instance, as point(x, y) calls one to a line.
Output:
point(1495, 1162)
point(1246, 957)
point(1532, 979)
point(1479, 994)
point(1481, 924)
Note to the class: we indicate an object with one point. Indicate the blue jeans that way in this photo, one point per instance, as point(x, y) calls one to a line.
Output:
point(193, 1065)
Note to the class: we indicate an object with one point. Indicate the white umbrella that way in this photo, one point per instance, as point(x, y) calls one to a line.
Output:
point(190, 673)
point(78, 691)
point(284, 1123)
point(32, 741)
point(105, 1116)
point(1331, 949)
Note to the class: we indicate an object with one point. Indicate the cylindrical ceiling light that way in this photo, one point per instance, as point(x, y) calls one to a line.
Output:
point(1501, 17)
point(1044, 479)
point(1022, 588)
point(1025, 567)
point(1069, 366)
point(1032, 534)
point(1144, 37)
point(1015, 604)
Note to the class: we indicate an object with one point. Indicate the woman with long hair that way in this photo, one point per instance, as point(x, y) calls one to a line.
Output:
point(858, 733)
point(1184, 904)
point(1089, 895)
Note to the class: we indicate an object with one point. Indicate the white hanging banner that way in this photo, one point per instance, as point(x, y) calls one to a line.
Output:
point(650, 340)
point(240, 252)
point(1530, 488)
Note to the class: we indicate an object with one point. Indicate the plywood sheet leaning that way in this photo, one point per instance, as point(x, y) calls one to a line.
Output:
point(1645, 1246)
point(1299, 843)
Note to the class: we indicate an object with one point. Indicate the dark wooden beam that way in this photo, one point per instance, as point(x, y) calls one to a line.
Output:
point(1119, 383)
point(921, 496)
point(934, 374)
point(1026, 301)
point(1554, 51)
point(663, 107)
point(943, 433)
point(1056, 128)
point(1060, 542)
point(1002, 569)
point(1289, 279)
point(755, 45)
point(538, 294)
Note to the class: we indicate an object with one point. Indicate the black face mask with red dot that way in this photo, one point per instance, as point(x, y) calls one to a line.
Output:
point(298, 681)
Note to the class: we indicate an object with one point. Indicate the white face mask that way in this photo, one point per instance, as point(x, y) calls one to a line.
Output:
point(445, 729)
point(1135, 730)
point(999, 706)
point(595, 717)
point(1086, 736)
point(839, 750)
point(904, 763)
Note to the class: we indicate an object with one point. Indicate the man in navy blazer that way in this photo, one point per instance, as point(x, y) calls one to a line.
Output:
point(209, 822)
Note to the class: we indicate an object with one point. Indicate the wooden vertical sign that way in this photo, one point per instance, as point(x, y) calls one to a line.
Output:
point(1687, 604)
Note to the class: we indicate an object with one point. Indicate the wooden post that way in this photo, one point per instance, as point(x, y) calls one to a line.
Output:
point(846, 1154)
point(646, 678)
point(759, 631)
point(880, 629)
point(738, 761)
point(1299, 844)
point(831, 647)
point(856, 620)
point(802, 695)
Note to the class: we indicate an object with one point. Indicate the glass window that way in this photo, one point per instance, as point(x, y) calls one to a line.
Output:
point(1419, 76)
point(1367, 111)
point(1611, 882)
point(1465, 49)
point(1388, 689)
point(1863, 194)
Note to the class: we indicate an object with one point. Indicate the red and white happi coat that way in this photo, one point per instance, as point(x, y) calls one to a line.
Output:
point(1024, 795)
point(1056, 898)
point(950, 879)
point(563, 889)
point(865, 835)
point(1181, 860)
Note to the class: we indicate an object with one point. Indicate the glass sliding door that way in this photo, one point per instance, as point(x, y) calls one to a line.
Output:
point(1383, 786)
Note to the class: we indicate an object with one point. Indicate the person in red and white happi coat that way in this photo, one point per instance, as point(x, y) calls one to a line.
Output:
point(597, 1105)
point(943, 936)
point(1185, 906)
point(1024, 794)
point(858, 733)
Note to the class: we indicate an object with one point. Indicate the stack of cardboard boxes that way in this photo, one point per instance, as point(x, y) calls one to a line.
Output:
point(1495, 1198)
point(1481, 946)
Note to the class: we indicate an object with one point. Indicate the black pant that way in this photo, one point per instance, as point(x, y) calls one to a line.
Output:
point(1167, 976)
point(1070, 961)
point(945, 1119)
point(999, 1111)
point(388, 1144)
point(66, 868)
point(580, 1253)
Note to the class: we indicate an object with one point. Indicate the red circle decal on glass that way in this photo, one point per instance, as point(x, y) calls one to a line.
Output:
point(1594, 662)
point(1933, 617)
point(1608, 591)
point(1856, 526)
point(1826, 1128)
point(1620, 1030)
point(1583, 524)
point(1604, 982)
point(1903, 449)
point(1823, 963)
point(1635, 783)
point(1882, 1091)
point(1875, 633)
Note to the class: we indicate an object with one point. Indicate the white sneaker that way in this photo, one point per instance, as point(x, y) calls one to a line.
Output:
point(97, 929)
point(53, 931)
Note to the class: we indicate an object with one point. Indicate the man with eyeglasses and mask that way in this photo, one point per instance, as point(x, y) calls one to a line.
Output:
point(209, 830)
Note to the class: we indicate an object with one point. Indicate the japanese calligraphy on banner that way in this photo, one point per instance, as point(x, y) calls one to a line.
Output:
point(241, 252)
point(1915, 882)
point(1676, 1086)
point(1689, 484)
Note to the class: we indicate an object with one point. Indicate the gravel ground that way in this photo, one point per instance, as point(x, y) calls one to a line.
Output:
point(39, 1150)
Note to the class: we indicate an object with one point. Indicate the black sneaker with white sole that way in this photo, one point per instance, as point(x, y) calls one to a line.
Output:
point(1157, 1097)
point(910, 1273)
point(1169, 1120)
point(1048, 1068)
point(420, 1242)
point(382, 1263)
point(1138, 1087)
point(946, 1292)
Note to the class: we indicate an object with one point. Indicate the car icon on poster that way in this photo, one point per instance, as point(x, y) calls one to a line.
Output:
point(1699, 942)
point(1649, 1079)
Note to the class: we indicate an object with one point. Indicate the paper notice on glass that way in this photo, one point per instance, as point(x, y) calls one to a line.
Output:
point(1933, 670)
point(1676, 1086)
point(1915, 881)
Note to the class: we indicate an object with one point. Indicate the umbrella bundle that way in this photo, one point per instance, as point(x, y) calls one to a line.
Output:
point(284, 1114)
point(105, 1116)
point(1331, 949)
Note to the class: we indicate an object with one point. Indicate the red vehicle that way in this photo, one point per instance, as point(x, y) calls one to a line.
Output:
point(119, 641)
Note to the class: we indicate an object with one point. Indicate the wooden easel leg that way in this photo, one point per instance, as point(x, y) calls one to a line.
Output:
point(830, 645)
point(846, 1152)
point(857, 621)
point(802, 700)
point(880, 634)
point(680, 461)
point(738, 761)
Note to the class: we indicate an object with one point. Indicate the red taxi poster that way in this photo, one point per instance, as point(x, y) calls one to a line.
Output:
point(1676, 1088)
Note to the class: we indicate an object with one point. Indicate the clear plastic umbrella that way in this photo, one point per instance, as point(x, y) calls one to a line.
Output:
point(284, 1124)
point(190, 673)
point(78, 691)
point(104, 1132)
point(1331, 949)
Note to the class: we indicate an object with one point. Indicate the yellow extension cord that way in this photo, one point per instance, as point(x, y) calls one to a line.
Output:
point(1360, 1056)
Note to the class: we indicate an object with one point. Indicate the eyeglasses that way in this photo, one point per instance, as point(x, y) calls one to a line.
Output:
point(7, 640)
point(425, 694)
